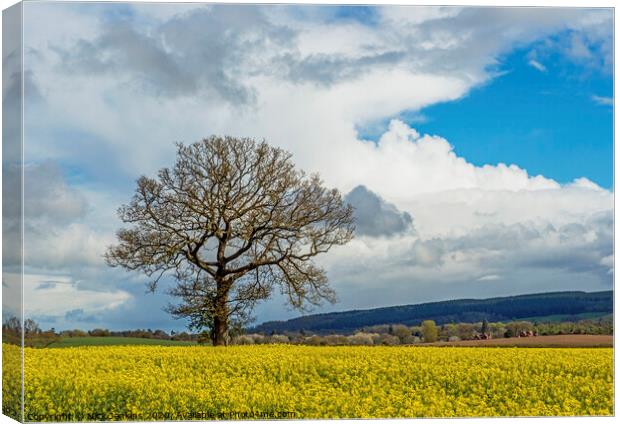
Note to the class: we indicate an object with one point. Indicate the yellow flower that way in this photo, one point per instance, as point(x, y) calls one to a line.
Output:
point(266, 382)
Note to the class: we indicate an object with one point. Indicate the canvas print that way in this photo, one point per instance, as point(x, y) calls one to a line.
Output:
point(231, 212)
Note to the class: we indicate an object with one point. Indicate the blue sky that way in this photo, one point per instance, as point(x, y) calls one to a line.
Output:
point(527, 116)
point(363, 14)
point(478, 141)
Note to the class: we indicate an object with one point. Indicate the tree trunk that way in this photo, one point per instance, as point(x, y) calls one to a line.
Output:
point(219, 334)
point(220, 331)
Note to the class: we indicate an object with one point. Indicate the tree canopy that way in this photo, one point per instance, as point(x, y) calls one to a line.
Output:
point(232, 221)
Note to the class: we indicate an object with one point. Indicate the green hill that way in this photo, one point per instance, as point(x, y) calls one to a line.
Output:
point(566, 304)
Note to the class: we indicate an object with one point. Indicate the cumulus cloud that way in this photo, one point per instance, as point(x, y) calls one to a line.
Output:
point(56, 234)
point(215, 49)
point(427, 252)
point(577, 247)
point(50, 302)
point(66, 247)
point(121, 50)
point(608, 261)
point(429, 164)
point(59, 238)
point(202, 53)
point(519, 258)
point(48, 196)
point(374, 217)
point(448, 41)
point(48, 204)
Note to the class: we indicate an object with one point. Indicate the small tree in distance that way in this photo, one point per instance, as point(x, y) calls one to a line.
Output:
point(232, 221)
point(429, 331)
point(484, 329)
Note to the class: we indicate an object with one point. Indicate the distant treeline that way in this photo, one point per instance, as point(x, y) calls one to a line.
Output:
point(34, 336)
point(143, 334)
point(385, 334)
point(429, 331)
point(569, 305)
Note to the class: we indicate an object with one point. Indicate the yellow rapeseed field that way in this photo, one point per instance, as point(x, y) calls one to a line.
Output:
point(280, 381)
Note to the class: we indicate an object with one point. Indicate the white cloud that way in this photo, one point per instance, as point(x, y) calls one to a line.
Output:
point(491, 277)
point(608, 261)
point(578, 48)
point(537, 65)
point(55, 295)
point(161, 12)
point(403, 164)
point(59, 232)
point(373, 216)
point(602, 100)
point(66, 247)
point(48, 197)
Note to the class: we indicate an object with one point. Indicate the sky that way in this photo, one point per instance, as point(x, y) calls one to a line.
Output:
point(475, 143)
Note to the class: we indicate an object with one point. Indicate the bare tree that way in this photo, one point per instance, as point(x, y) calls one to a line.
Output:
point(231, 221)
